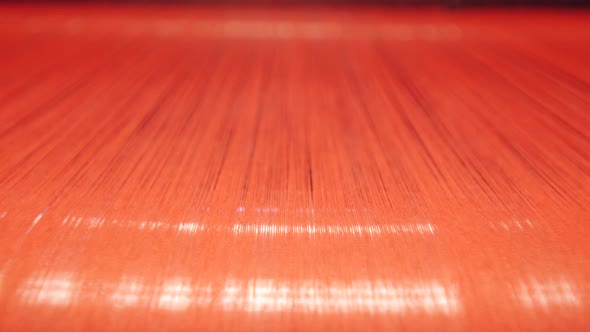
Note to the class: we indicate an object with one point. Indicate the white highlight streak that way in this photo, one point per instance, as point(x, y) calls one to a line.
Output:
point(191, 227)
point(547, 294)
point(175, 295)
point(129, 293)
point(264, 295)
point(35, 221)
point(49, 291)
point(358, 296)
point(317, 230)
point(513, 226)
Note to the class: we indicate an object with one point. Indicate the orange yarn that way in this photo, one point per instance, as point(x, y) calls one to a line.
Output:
point(370, 170)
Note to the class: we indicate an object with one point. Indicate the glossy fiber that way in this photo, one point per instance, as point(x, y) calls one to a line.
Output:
point(193, 169)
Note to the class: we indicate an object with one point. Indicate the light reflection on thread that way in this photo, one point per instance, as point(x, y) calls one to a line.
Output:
point(261, 295)
point(35, 221)
point(268, 295)
point(311, 230)
point(513, 226)
point(130, 292)
point(364, 296)
point(546, 294)
point(177, 294)
point(265, 295)
point(263, 229)
point(54, 291)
